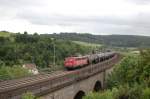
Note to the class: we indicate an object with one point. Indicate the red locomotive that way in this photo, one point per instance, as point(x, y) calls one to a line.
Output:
point(76, 62)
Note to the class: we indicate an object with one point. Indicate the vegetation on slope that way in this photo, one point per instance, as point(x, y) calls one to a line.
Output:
point(129, 80)
point(122, 92)
point(4, 34)
point(28, 95)
point(108, 40)
point(7, 73)
point(37, 49)
point(18, 49)
point(87, 44)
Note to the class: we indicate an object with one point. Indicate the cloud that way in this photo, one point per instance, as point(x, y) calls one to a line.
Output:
point(92, 16)
point(19, 3)
point(140, 2)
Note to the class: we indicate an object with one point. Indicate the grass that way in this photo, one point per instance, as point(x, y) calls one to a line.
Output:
point(4, 34)
point(88, 44)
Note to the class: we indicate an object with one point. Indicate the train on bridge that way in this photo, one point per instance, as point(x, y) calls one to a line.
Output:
point(72, 63)
point(48, 83)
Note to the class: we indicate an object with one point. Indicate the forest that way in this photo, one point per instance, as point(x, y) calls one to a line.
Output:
point(17, 49)
point(107, 40)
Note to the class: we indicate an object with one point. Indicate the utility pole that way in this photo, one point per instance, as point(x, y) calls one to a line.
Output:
point(54, 52)
point(53, 40)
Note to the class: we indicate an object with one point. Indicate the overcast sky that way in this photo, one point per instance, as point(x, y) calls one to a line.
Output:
point(86, 16)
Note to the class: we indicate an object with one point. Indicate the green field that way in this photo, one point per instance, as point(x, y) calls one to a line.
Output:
point(4, 34)
point(88, 44)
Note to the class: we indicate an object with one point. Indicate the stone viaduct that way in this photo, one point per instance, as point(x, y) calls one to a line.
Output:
point(80, 88)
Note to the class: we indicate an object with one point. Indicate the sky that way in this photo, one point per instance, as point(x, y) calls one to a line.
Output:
point(100, 17)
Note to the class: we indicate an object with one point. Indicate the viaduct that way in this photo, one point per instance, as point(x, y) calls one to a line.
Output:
point(64, 85)
point(80, 88)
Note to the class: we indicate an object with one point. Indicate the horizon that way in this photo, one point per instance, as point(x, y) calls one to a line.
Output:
point(73, 33)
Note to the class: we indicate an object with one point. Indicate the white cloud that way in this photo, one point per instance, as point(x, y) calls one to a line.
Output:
point(94, 16)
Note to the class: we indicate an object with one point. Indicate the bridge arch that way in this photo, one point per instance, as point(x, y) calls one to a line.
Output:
point(79, 95)
point(97, 86)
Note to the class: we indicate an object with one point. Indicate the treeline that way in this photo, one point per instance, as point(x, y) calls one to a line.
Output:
point(108, 40)
point(129, 80)
point(18, 49)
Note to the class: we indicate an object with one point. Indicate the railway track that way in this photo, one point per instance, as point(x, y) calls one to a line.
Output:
point(28, 80)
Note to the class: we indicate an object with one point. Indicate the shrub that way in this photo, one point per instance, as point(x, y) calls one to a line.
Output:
point(146, 93)
point(104, 95)
point(122, 92)
point(13, 72)
point(132, 69)
point(28, 95)
point(129, 80)
point(135, 92)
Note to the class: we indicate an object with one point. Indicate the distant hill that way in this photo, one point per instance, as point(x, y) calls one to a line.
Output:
point(109, 40)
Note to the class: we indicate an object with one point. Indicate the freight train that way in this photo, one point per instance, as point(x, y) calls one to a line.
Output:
point(71, 63)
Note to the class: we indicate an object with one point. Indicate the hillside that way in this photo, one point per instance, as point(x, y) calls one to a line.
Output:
point(17, 49)
point(26, 48)
point(4, 34)
point(87, 44)
point(108, 40)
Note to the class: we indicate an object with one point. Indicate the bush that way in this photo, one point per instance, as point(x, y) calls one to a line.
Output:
point(28, 95)
point(129, 80)
point(126, 92)
point(146, 93)
point(135, 92)
point(125, 72)
point(104, 95)
point(13, 72)
point(132, 69)
point(122, 92)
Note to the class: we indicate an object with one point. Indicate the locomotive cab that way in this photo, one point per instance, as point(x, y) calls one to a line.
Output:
point(75, 62)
